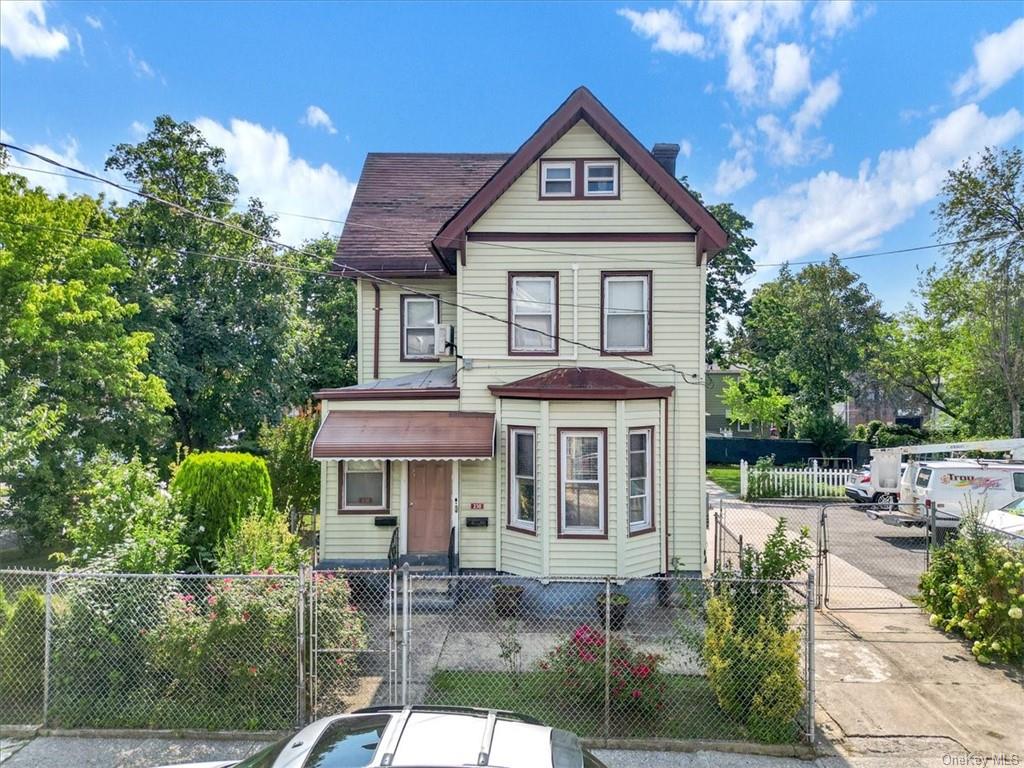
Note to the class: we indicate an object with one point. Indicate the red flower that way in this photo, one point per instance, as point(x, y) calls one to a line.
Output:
point(545, 666)
point(642, 671)
point(587, 655)
point(252, 670)
point(245, 615)
point(637, 693)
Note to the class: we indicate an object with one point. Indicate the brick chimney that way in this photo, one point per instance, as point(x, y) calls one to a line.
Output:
point(666, 155)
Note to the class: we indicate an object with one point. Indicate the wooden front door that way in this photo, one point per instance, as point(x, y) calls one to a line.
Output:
point(430, 506)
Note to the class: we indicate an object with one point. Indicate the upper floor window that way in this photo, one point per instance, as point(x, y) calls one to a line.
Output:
point(522, 454)
point(533, 310)
point(626, 312)
point(419, 316)
point(558, 179)
point(582, 486)
point(602, 178)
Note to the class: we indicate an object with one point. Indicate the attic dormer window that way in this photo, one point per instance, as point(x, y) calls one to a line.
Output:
point(602, 178)
point(558, 179)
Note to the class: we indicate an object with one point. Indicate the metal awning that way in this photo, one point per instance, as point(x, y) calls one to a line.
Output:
point(392, 435)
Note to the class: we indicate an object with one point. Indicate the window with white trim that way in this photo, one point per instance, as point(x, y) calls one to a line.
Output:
point(640, 480)
point(558, 179)
point(419, 316)
point(582, 483)
point(601, 178)
point(522, 465)
point(363, 485)
point(533, 304)
point(625, 314)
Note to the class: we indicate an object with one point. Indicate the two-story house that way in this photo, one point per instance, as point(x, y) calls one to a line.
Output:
point(558, 427)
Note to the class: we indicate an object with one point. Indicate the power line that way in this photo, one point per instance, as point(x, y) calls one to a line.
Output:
point(270, 241)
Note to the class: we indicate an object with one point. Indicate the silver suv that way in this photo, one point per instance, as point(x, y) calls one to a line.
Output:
point(421, 737)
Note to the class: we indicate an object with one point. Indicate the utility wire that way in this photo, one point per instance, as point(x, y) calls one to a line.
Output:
point(270, 241)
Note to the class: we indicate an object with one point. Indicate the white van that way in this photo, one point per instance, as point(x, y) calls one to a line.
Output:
point(955, 486)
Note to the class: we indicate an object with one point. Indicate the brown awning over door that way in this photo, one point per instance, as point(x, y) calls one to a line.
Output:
point(438, 435)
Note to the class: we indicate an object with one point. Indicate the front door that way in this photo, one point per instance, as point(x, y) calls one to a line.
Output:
point(430, 505)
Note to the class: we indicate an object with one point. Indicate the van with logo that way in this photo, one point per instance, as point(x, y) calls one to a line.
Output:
point(948, 489)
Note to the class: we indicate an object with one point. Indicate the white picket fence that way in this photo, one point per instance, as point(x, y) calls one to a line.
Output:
point(814, 482)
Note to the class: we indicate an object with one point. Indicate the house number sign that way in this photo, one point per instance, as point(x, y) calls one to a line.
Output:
point(476, 505)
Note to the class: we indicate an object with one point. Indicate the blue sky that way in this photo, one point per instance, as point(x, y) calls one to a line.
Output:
point(830, 125)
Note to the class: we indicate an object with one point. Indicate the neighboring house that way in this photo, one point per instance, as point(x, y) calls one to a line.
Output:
point(565, 436)
point(716, 415)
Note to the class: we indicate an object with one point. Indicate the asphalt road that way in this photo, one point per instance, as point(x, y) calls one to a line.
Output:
point(894, 555)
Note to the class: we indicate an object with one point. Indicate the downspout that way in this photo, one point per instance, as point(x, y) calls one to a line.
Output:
point(665, 451)
point(376, 331)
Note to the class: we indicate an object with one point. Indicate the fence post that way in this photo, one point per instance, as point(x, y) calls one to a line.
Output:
point(810, 656)
point(607, 654)
point(744, 479)
point(300, 639)
point(47, 638)
point(406, 632)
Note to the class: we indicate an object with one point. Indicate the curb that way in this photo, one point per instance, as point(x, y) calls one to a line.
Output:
point(800, 751)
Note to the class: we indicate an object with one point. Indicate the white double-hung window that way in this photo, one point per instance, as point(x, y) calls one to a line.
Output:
point(626, 312)
point(557, 178)
point(641, 512)
point(522, 467)
point(601, 178)
point(419, 316)
point(363, 486)
point(533, 310)
point(582, 483)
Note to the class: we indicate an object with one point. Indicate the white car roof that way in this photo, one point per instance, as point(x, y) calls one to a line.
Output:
point(455, 739)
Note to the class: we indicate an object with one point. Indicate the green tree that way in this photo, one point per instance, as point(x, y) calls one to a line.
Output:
point(982, 208)
point(755, 401)
point(226, 332)
point(70, 354)
point(295, 477)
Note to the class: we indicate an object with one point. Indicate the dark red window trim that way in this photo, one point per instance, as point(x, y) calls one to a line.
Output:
point(649, 349)
point(510, 476)
point(401, 325)
point(370, 511)
point(511, 317)
point(603, 431)
point(579, 178)
point(650, 430)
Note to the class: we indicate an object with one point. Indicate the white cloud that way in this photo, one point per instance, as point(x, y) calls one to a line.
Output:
point(792, 73)
point(93, 22)
point(735, 173)
point(685, 148)
point(791, 145)
point(262, 160)
point(831, 212)
point(666, 28)
point(141, 66)
point(997, 58)
point(832, 16)
point(315, 117)
point(24, 33)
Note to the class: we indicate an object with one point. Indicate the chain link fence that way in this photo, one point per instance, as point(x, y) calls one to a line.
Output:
point(667, 658)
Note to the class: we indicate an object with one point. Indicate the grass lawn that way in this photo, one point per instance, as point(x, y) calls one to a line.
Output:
point(691, 711)
point(726, 476)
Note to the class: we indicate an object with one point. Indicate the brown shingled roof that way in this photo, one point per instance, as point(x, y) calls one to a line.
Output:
point(402, 200)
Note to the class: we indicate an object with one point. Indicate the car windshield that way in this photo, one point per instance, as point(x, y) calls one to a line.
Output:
point(266, 756)
point(350, 742)
point(1015, 507)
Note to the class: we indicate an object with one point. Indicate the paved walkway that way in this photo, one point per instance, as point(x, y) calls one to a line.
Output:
point(889, 686)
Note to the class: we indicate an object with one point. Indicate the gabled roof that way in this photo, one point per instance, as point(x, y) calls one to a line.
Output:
point(583, 105)
point(401, 201)
point(580, 384)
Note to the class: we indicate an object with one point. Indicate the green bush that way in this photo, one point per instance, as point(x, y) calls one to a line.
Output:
point(293, 474)
point(827, 431)
point(760, 485)
point(215, 491)
point(125, 521)
point(260, 543)
point(21, 656)
point(974, 586)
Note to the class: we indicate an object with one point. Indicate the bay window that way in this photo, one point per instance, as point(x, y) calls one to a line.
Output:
point(522, 468)
point(582, 483)
point(641, 477)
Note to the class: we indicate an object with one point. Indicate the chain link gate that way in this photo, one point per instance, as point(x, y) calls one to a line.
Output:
point(352, 647)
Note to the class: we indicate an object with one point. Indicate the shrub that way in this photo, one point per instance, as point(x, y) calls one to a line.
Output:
point(215, 491)
point(125, 520)
point(827, 431)
point(974, 586)
point(579, 664)
point(21, 656)
point(294, 475)
point(760, 485)
point(260, 543)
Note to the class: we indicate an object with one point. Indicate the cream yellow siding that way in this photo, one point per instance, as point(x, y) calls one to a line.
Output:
point(348, 535)
point(639, 208)
point(391, 363)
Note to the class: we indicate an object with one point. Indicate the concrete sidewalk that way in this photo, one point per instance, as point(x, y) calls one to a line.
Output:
point(889, 686)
